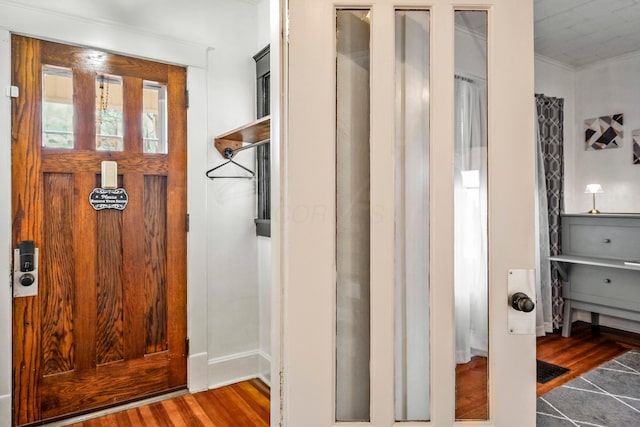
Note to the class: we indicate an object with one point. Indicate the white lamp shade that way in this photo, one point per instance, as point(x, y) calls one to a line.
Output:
point(593, 188)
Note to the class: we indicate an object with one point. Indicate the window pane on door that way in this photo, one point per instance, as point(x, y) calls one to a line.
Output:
point(57, 107)
point(154, 118)
point(412, 216)
point(470, 216)
point(109, 116)
point(352, 216)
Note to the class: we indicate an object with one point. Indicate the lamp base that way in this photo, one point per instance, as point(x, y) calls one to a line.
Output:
point(594, 211)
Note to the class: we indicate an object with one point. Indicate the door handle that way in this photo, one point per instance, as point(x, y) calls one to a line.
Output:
point(25, 269)
point(521, 302)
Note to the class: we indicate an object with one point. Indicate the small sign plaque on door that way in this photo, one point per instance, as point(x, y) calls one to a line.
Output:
point(116, 198)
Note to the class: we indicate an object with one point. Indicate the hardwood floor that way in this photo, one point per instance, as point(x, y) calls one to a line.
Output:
point(582, 351)
point(245, 404)
point(471, 390)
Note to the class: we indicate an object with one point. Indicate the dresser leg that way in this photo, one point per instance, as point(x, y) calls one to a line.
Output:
point(595, 322)
point(566, 322)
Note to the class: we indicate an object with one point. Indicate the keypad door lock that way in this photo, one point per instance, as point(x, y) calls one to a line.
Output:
point(25, 269)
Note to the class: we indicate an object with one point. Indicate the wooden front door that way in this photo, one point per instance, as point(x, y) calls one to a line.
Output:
point(109, 321)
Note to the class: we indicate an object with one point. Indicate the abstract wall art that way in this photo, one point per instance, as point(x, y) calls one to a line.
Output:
point(603, 132)
point(636, 146)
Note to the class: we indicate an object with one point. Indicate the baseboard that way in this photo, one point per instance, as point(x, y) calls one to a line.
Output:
point(198, 369)
point(611, 322)
point(264, 367)
point(5, 408)
point(233, 368)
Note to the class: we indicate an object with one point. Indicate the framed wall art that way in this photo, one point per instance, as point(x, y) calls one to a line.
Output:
point(603, 132)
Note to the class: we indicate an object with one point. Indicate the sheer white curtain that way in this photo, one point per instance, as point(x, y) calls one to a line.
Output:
point(470, 222)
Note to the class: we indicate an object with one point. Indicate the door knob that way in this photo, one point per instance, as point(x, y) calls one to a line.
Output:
point(27, 279)
point(521, 302)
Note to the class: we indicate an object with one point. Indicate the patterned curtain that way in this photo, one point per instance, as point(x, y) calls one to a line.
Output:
point(550, 119)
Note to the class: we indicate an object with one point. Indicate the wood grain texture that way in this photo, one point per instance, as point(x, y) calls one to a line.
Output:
point(56, 275)
point(93, 264)
point(134, 267)
point(245, 404)
point(132, 111)
point(155, 263)
point(74, 392)
point(77, 161)
point(84, 101)
point(176, 230)
point(95, 60)
point(109, 330)
point(251, 133)
point(85, 246)
point(27, 219)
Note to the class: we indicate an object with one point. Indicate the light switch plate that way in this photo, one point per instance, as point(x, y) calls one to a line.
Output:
point(109, 175)
point(519, 322)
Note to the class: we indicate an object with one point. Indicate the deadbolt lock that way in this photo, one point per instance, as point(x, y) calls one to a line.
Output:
point(25, 269)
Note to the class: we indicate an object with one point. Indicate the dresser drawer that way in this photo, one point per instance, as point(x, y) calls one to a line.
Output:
point(601, 239)
point(605, 286)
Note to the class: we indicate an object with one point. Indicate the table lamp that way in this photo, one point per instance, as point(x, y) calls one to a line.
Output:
point(593, 189)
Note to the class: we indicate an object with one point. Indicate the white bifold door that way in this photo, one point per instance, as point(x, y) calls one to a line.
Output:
point(407, 213)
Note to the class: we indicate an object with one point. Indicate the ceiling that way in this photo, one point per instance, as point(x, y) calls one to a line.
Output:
point(581, 32)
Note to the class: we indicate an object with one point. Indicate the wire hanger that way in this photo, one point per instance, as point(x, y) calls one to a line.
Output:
point(228, 154)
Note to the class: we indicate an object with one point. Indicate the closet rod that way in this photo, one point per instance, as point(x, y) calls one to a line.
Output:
point(229, 153)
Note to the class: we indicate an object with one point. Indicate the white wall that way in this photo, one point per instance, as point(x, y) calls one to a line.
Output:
point(263, 28)
point(603, 89)
point(216, 39)
point(232, 267)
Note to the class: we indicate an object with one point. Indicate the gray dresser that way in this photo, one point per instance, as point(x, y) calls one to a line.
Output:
point(600, 264)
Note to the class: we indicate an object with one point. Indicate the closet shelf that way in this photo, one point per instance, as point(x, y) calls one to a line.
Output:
point(251, 133)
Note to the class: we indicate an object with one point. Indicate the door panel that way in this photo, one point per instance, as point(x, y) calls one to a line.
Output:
point(311, 269)
point(101, 330)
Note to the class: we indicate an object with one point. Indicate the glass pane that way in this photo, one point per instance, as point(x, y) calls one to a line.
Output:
point(412, 216)
point(470, 216)
point(154, 118)
point(352, 216)
point(57, 107)
point(109, 119)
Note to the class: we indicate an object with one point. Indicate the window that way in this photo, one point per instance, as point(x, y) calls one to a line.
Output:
point(57, 107)
point(263, 219)
point(154, 114)
point(109, 113)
